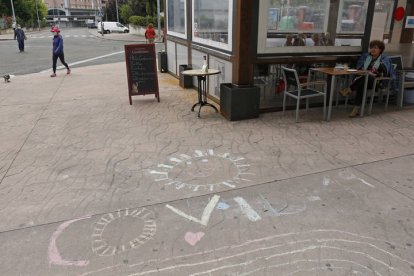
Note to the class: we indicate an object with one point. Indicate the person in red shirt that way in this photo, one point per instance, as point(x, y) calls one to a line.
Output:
point(150, 33)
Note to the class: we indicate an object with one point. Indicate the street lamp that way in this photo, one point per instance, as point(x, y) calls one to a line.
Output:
point(117, 15)
point(158, 19)
point(37, 12)
point(14, 16)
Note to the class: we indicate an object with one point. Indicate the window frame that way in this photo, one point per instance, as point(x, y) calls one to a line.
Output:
point(171, 32)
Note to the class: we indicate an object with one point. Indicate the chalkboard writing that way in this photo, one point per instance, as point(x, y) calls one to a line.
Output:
point(141, 70)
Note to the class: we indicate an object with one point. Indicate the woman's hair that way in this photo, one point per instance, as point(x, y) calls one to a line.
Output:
point(150, 25)
point(377, 43)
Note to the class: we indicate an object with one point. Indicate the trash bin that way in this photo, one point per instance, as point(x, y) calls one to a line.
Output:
point(185, 81)
point(162, 62)
point(239, 102)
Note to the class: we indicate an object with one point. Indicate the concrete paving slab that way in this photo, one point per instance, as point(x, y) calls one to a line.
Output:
point(395, 173)
point(320, 224)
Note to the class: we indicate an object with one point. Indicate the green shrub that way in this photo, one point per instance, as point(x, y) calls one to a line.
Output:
point(143, 21)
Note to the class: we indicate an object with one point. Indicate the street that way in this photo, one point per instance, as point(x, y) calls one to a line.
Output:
point(81, 46)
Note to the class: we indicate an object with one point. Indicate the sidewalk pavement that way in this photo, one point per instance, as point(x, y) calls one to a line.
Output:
point(90, 185)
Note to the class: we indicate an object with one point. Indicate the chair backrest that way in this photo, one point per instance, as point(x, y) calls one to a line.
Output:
point(290, 76)
point(397, 62)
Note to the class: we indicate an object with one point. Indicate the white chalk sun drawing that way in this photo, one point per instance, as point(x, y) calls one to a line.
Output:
point(139, 218)
point(204, 169)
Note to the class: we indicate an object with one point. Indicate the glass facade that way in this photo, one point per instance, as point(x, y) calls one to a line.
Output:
point(352, 16)
point(212, 23)
point(327, 23)
point(297, 16)
point(176, 18)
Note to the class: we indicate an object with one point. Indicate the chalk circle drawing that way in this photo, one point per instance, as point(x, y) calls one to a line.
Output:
point(54, 255)
point(204, 169)
point(106, 237)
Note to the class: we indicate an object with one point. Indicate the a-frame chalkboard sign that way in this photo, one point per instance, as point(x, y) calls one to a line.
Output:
point(141, 70)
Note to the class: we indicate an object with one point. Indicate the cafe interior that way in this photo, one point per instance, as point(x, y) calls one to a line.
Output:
point(250, 41)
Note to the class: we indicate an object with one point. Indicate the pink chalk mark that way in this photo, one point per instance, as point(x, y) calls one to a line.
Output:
point(53, 252)
point(193, 238)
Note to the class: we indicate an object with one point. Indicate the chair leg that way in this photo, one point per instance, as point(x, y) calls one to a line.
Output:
point(371, 102)
point(284, 102)
point(297, 110)
point(388, 95)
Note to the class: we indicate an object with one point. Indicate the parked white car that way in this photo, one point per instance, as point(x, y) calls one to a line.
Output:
point(112, 27)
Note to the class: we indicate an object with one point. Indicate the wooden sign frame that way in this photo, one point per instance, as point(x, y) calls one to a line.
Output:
point(142, 71)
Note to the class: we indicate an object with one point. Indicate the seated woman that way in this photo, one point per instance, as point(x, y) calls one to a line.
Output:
point(376, 64)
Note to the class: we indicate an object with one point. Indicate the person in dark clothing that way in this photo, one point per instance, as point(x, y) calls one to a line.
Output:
point(20, 36)
point(58, 51)
point(377, 64)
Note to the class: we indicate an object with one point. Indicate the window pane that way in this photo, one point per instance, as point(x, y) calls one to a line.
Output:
point(309, 24)
point(297, 15)
point(176, 17)
point(294, 23)
point(352, 16)
point(212, 22)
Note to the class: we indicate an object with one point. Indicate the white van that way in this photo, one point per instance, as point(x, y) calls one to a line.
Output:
point(112, 27)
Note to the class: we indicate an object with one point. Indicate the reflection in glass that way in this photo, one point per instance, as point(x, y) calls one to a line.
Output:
point(352, 16)
point(211, 22)
point(297, 15)
point(176, 17)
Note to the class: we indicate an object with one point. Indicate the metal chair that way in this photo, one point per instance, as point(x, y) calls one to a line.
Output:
point(378, 90)
point(403, 81)
point(299, 91)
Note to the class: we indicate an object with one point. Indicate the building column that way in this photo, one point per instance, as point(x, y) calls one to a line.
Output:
point(407, 34)
point(242, 48)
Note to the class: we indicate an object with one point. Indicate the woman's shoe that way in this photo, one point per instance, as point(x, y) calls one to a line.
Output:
point(68, 72)
point(53, 75)
point(345, 92)
point(355, 112)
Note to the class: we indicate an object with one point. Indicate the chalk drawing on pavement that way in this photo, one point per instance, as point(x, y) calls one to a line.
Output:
point(54, 255)
point(313, 252)
point(105, 239)
point(203, 170)
point(205, 217)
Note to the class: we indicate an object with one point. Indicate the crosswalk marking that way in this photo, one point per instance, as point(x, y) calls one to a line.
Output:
point(65, 36)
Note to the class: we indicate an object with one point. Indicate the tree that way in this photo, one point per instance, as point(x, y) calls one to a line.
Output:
point(125, 13)
point(25, 11)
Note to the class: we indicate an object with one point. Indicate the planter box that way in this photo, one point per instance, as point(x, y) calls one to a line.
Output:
point(238, 102)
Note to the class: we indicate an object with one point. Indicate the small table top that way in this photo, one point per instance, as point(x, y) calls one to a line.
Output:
point(198, 72)
point(333, 71)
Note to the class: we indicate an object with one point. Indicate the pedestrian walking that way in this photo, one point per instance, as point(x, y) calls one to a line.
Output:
point(58, 51)
point(20, 36)
point(150, 33)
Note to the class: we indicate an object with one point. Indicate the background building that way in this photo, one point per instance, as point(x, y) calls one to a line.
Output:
point(74, 13)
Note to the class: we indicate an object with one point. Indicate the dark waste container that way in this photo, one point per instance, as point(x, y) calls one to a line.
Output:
point(162, 62)
point(238, 102)
point(185, 81)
